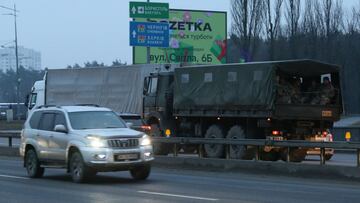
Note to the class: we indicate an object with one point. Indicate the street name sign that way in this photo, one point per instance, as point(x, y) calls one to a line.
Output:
point(149, 10)
point(149, 34)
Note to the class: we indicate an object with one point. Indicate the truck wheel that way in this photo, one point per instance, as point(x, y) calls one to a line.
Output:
point(159, 148)
point(214, 150)
point(296, 155)
point(269, 156)
point(141, 172)
point(238, 151)
point(78, 169)
point(32, 165)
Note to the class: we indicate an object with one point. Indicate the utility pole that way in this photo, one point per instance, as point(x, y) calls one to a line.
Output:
point(16, 58)
point(17, 68)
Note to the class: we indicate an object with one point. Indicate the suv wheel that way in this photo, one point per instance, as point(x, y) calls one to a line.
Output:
point(141, 172)
point(78, 169)
point(32, 164)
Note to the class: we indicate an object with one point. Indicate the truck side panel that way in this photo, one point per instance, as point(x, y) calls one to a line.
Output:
point(117, 88)
point(225, 88)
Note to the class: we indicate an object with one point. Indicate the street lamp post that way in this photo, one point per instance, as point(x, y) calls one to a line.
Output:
point(16, 58)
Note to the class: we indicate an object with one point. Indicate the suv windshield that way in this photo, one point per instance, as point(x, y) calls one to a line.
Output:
point(95, 120)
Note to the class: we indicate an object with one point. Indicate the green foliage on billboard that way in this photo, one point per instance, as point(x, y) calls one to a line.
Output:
point(196, 37)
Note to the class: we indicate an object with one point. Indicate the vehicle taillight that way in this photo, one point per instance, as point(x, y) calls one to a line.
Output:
point(330, 137)
point(275, 132)
point(146, 127)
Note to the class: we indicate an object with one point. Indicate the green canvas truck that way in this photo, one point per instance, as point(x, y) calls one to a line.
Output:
point(280, 100)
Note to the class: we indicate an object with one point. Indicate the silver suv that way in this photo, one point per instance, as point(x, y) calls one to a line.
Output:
point(84, 140)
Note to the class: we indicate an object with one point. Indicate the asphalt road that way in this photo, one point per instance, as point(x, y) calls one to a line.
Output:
point(168, 185)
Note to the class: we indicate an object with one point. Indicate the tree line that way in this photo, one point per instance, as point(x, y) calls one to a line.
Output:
point(95, 64)
point(324, 30)
point(8, 83)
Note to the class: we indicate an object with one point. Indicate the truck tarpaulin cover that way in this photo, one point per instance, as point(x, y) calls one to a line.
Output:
point(117, 88)
point(225, 87)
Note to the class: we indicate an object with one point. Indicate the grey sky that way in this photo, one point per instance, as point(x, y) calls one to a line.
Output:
point(76, 31)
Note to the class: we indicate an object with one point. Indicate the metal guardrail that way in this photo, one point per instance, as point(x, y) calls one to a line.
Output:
point(10, 134)
point(257, 143)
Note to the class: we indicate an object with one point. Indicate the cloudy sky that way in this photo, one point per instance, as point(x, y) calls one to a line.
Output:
point(75, 31)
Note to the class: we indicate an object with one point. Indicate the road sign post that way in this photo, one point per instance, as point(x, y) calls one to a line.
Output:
point(149, 34)
point(149, 10)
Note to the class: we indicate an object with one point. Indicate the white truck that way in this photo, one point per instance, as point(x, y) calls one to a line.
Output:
point(118, 88)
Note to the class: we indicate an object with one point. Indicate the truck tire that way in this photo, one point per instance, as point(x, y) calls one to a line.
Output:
point(78, 169)
point(32, 164)
point(296, 154)
point(238, 151)
point(159, 148)
point(214, 150)
point(141, 172)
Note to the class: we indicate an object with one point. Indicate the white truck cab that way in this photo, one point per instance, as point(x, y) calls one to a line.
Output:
point(37, 96)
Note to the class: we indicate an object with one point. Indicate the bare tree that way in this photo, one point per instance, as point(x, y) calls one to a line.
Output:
point(272, 22)
point(353, 20)
point(310, 29)
point(247, 24)
point(292, 19)
point(331, 25)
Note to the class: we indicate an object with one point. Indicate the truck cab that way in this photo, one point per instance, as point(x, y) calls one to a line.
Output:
point(157, 106)
point(36, 97)
point(158, 97)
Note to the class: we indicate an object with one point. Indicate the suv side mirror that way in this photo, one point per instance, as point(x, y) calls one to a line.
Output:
point(129, 125)
point(60, 128)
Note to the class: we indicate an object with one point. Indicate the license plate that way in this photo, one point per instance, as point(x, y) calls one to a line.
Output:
point(275, 138)
point(126, 156)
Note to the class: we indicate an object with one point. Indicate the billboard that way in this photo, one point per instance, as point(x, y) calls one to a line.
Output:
point(196, 37)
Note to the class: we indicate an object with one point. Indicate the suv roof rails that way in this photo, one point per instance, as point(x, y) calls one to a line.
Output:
point(47, 106)
point(94, 105)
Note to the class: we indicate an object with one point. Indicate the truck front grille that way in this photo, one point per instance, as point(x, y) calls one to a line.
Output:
point(123, 143)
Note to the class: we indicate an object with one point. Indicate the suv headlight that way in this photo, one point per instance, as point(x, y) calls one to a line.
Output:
point(96, 142)
point(145, 140)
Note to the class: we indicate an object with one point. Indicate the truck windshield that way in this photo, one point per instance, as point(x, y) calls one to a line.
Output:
point(95, 120)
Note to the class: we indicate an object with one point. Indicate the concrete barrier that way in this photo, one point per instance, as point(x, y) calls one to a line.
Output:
point(260, 167)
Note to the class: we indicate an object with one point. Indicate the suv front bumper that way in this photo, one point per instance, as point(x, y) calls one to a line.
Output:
point(105, 159)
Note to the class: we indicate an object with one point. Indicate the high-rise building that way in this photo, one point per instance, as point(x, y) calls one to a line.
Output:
point(28, 58)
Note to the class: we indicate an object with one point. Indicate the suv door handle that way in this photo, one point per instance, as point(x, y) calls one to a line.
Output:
point(51, 136)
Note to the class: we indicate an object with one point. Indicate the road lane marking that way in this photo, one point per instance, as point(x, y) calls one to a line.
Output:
point(16, 177)
point(175, 195)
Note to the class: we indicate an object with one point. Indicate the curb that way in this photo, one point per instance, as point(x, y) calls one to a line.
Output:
point(261, 167)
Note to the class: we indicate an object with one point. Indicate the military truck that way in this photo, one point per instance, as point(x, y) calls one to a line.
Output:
point(246, 100)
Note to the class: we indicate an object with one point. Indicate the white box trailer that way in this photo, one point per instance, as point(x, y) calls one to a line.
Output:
point(118, 88)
